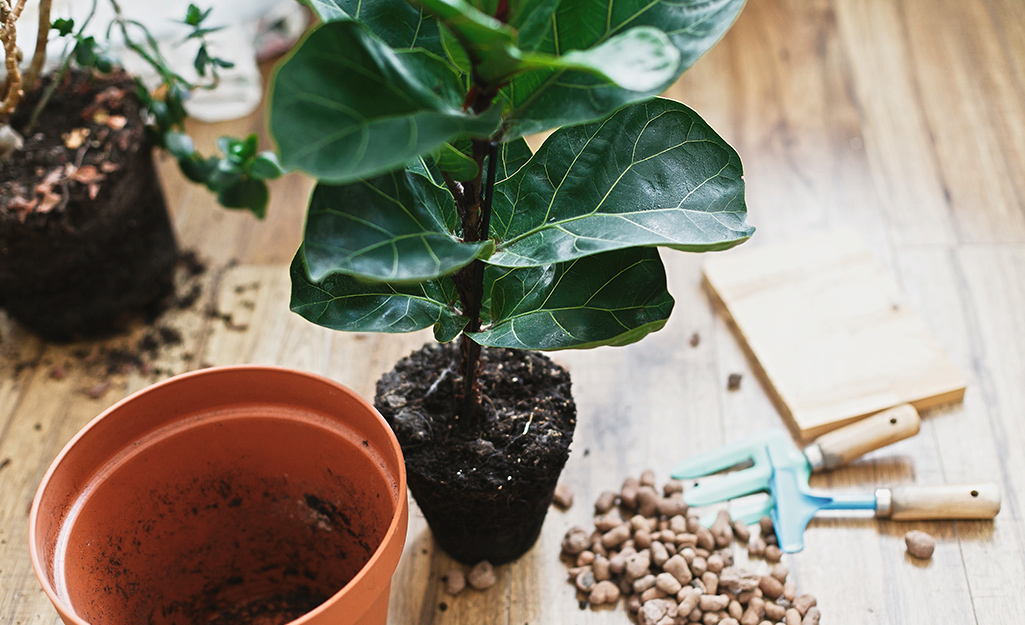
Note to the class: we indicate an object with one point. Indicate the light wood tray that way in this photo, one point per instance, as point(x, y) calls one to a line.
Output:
point(824, 324)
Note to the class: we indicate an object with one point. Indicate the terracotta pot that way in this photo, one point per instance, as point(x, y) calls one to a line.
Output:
point(228, 495)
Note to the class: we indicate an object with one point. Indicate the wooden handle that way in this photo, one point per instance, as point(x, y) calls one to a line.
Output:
point(847, 443)
point(949, 501)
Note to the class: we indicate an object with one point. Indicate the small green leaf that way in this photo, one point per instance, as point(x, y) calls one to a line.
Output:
point(453, 162)
point(342, 303)
point(651, 174)
point(532, 19)
point(197, 169)
point(390, 228)
point(202, 60)
point(194, 16)
point(63, 26)
point(345, 106)
point(245, 193)
point(265, 166)
point(179, 144)
point(490, 44)
point(175, 99)
point(239, 151)
point(455, 52)
point(428, 170)
point(85, 51)
point(221, 175)
point(104, 63)
point(200, 33)
point(615, 298)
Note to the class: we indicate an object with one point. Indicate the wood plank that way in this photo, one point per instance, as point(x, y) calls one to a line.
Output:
point(979, 120)
point(779, 89)
point(829, 334)
point(896, 135)
point(991, 283)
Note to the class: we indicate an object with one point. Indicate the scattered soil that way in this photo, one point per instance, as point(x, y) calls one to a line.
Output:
point(485, 492)
point(142, 349)
point(85, 239)
point(733, 382)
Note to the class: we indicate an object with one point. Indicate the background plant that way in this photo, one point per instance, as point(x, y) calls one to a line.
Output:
point(431, 210)
point(238, 175)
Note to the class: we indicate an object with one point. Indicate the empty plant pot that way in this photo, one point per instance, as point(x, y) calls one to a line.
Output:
point(228, 495)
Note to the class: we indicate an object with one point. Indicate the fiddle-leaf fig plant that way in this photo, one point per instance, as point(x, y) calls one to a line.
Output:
point(431, 210)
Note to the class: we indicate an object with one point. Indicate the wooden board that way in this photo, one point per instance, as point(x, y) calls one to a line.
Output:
point(830, 335)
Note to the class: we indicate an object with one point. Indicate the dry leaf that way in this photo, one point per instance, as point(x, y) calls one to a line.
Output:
point(117, 122)
point(86, 174)
point(108, 167)
point(98, 390)
point(21, 205)
point(74, 139)
point(111, 96)
point(101, 116)
point(50, 200)
point(52, 178)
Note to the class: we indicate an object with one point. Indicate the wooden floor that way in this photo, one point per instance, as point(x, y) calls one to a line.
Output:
point(902, 119)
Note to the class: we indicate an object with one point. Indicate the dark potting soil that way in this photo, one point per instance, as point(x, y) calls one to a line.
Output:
point(276, 610)
point(485, 492)
point(85, 239)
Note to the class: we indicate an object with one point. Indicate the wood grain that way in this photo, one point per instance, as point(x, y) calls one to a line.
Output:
point(900, 119)
point(824, 322)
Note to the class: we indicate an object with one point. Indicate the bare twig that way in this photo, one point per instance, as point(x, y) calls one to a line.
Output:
point(42, 37)
point(18, 8)
point(10, 38)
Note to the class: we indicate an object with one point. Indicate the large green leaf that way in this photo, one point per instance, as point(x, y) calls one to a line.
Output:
point(389, 228)
point(547, 98)
point(512, 155)
point(532, 20)
point(397, 22)
point(454, 159)
point(342, 303)
point(613, 298)
point(651, 174)
point(345, 106)
point(489, 43)
point(639, 59)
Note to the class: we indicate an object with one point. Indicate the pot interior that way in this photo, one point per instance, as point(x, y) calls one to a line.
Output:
point(244, 515)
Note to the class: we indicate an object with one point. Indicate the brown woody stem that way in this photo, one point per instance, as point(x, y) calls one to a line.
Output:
point(9, 33)
point(475, 295)
point(42, 37)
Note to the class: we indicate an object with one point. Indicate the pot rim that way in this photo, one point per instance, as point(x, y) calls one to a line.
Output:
point(398, 517)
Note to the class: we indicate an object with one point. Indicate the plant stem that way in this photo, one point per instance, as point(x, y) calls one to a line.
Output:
point(13, 83)
point(58, 76)
point(42, 37)
point(475, 295)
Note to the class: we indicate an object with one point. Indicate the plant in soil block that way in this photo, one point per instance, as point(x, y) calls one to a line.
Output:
point(85, 238)
point(431, 210)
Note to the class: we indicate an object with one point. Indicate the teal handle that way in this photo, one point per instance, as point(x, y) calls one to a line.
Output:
point(850, 502)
